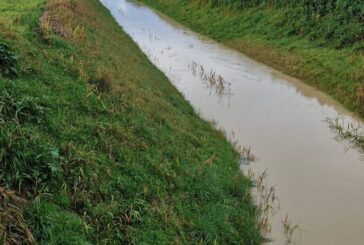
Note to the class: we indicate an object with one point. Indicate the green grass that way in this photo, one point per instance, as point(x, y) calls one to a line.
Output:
point(97, 147)
point(288, 38)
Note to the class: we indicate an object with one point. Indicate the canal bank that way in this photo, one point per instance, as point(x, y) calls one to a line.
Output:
point(96, 145)
point(283, 120)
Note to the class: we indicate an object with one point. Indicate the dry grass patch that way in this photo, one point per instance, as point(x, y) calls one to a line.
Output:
point(58, 19)
point(13, 229)
point(6, 31)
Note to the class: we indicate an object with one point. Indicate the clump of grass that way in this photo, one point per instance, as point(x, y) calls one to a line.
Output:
point(13, 228)
point(8, 62)
point(102, 83)
point(57, 19)
point(6, 30)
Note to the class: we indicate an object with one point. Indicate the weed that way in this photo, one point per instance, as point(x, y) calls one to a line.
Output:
point(8, 61)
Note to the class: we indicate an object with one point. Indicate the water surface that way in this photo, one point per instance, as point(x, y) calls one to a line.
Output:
point(318, 179)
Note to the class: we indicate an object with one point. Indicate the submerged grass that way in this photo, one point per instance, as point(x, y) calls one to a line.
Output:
point(350, 133)
point(213, 81)
point(99, 147)
point(312, 40)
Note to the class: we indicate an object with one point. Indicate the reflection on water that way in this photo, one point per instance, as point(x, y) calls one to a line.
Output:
point(319, 180)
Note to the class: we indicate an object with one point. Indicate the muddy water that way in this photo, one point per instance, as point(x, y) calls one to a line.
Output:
point(318, 179)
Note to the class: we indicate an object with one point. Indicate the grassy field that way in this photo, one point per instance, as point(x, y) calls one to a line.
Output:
point(97, 147)
point(319, 42)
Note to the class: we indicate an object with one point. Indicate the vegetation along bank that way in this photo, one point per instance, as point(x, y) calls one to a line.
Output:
point(97, 147)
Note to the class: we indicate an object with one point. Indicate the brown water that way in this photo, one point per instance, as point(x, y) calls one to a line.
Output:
point(318, 179)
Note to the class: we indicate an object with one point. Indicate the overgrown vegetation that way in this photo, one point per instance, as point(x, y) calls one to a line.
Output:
point(319, 41)
point(97, 147)
point(336, 23)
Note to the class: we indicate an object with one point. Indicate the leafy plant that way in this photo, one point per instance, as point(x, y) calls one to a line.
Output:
point(8, 61)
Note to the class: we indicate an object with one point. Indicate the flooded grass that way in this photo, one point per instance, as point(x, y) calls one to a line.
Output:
point(291, 230)
point(211, 79)
point(246, 156)
point(266, 200)
point(352, 134)
point(265, 197)
point(121, 11)
point(268, 205)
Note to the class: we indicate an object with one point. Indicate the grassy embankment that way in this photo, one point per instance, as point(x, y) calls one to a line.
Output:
point(320, 42)
point(97, 147)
